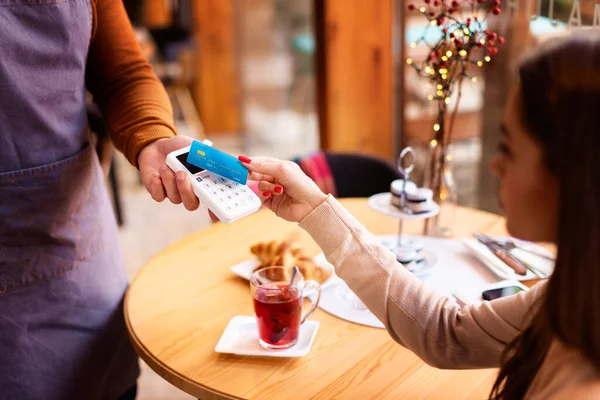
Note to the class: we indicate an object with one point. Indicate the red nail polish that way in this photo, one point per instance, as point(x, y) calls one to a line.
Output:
point(266, 194)
point(244, 159)
point(278, 189)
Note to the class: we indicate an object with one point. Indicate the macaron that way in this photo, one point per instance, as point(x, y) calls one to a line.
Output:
point(396, 189)
point(420, 200)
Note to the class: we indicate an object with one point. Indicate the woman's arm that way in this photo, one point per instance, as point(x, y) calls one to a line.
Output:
point(439, 331)
point(133, 101)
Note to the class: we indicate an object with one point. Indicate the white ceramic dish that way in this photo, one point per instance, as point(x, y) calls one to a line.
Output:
point(241, 338)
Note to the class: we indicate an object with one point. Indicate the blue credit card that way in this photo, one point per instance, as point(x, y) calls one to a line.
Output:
point(218, 162)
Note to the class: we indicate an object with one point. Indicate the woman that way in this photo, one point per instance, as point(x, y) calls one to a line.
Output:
point(62, 279)
point(547, 340)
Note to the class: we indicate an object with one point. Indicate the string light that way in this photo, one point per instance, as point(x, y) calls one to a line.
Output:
point(474, 79)
point(440, 87)
point(436, 128)
point(480, 63)
point(449, 157)
point(409, 61)
point(468, 37)
point(462, 53)
point(430, 97)
point(433, 143)
point(443, 71)
point(487, 58)
point(482, 41)
point(466, 31)
point(422, 9)
point(433, 22)
point(428, 69)
point(475, 15)
point(444, 58)
point(449, 53)
point(440, 93)
point(413, 45)
point(444, 76)
point(447, 100)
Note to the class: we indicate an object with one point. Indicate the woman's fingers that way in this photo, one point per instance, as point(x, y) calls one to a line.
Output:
point(255, 176)
point(273, 188)
point(278, 169)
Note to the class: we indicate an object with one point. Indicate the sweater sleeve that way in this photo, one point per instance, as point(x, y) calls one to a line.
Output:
point(133, 101)
point(439, 331)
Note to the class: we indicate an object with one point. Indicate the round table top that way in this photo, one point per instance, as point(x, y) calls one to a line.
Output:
point(180, 303)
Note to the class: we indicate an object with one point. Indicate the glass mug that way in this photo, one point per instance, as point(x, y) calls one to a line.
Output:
point(278, 306)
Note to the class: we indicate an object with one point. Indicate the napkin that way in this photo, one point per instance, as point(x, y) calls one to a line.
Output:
point(501, 269)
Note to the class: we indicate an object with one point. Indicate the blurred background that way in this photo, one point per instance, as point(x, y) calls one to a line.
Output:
point(287, 78)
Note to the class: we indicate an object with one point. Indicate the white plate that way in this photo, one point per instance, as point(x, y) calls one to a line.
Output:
point(382, 202)
point(340, 301)
point(241, 338)
point(487, 258)
point(391, 242)
point(246, 268)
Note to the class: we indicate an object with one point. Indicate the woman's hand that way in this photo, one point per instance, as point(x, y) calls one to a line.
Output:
point(160, 181)
point(284, 188)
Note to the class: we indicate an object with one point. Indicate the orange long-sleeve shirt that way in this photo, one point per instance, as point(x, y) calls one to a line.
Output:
point(133, 101)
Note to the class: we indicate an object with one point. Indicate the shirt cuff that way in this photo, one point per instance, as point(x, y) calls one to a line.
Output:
point(144, 137)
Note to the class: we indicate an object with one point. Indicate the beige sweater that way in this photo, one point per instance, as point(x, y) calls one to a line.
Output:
point(439, 331)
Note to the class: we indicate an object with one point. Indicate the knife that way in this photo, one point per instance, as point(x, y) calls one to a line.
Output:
point(527, 265)
point(502, 254)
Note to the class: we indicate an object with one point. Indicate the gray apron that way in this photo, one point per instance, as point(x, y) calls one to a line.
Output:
point(62, 279)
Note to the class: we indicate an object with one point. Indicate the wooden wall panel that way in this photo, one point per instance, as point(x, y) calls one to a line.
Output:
point(217, 87)
point(355, 75)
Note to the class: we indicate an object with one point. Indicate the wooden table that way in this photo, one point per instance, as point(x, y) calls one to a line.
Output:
point(178, 306)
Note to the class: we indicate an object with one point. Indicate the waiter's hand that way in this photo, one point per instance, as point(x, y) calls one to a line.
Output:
point(160, 181)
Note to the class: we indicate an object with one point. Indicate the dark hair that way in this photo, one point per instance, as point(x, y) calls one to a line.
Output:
point(560, 98)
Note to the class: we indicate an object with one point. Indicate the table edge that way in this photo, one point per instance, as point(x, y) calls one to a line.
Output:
point(166, 372)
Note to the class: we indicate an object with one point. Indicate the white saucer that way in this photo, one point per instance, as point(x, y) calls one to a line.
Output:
point(241, 338)
point(382, 202)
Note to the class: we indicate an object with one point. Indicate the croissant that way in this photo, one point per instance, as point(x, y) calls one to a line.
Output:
point(287, 254)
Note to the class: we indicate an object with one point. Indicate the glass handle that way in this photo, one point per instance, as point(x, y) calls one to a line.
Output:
point(311, 285)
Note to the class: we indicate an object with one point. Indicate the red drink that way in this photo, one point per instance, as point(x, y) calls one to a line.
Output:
point(278, 311)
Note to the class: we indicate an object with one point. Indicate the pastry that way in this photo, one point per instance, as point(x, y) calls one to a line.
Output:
point(420, 201)
point(288, 254)
point(396, 190)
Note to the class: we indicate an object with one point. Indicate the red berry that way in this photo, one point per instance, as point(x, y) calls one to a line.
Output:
point(501, 40)
point(441, 21)
point(479, 44)
point(480, 1)
point(452, 35)
point(494, 36)
point(496, 3)
point(455, 4)
point(427, 1)
point(496, 11)
point(445, 30)
point(411, 7)
point(436, 3)
point(468, 21)
point(451, 10)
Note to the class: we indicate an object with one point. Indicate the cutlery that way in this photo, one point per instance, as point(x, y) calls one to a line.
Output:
point(509, 245)
point(502, 254)
point(486, 239)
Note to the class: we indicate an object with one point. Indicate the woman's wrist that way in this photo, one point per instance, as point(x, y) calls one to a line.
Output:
point(315, 201)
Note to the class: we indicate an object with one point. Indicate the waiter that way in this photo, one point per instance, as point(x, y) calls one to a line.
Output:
point(62, 278)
